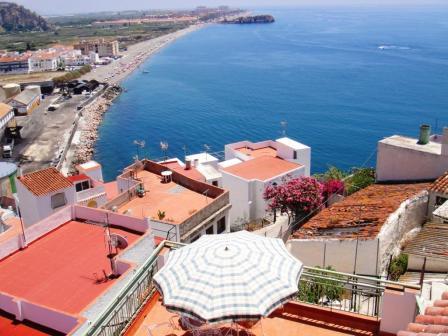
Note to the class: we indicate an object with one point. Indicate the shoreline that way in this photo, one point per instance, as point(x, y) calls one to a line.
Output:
point(81, 147)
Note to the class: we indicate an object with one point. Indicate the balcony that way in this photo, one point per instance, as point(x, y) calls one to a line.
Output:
point(328, 303)
point(88, 194)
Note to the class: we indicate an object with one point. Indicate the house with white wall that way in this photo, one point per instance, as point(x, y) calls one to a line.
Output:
point(45, 60)
point(401, 158)
point(42, 193)
point(6, 115)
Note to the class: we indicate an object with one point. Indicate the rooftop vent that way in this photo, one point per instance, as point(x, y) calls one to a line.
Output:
point(425, 132)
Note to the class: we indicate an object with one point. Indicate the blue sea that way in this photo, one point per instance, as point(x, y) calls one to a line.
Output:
point(341, 79)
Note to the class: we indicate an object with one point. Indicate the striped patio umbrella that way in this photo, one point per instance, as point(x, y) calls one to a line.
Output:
point(229, 277)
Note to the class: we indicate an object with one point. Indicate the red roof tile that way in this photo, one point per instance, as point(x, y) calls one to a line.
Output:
point(441, 184)
point(262, 168)
point(360, 215)
point(77, 178)
point(433, 323)
point(45, 181)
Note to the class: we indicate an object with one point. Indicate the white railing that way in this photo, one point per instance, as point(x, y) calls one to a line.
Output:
point(90, 193)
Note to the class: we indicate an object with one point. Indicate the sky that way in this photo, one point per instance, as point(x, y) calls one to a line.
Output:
point(83, 6)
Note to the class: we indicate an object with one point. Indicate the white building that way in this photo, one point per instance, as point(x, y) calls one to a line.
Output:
point(45, 60)
point(45, 191)
point(74, 58)
point(402, 158)
point(248, 169)
point(6, 114)
point(25, 102)
point(42, 193)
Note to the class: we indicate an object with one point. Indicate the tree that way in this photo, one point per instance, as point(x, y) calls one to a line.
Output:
point(297, 197)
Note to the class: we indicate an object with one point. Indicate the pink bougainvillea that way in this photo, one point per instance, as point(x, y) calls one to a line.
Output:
point(300, 196)
point(331, 187)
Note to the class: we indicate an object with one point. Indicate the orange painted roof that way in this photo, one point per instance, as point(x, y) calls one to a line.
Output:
point(11, 327)
point(258, 152)
point(360, 215)
point(262, 168)
point(59, 270)
point(292, 320)
point(7, 59)
point(45, 181)
point(441, 184)
point(191, 173)
point(4, 109)
point(178, 203)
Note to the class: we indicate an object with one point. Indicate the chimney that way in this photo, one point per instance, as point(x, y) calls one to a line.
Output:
point(425, 132)
point(445, 142)
point(187, 164)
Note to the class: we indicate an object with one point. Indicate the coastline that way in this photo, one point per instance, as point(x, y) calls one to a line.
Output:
point(81, 146)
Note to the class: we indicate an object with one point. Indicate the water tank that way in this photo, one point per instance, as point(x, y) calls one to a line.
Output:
point(11, 90)
point(33, 88)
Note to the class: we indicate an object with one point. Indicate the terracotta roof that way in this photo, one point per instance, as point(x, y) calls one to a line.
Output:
point(8, 59)
point(441, 184)
point(433, 323)
point(45, 181)
point(4, 109)
point(360, 215)
point(262, 168)
point(77, 178)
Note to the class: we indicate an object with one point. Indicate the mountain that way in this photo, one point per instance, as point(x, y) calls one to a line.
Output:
point(15, 18)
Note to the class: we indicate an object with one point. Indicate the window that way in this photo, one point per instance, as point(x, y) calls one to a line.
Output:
point(58, 200)
point(440, 201)
point(295, 155)
point(221, 225)
point(84, 185)
point(209, 230)
point(215, 183)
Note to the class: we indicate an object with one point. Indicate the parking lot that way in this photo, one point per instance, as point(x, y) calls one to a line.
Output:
point(44, 132)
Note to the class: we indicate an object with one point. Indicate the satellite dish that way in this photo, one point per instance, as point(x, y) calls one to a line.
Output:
point(118, 241)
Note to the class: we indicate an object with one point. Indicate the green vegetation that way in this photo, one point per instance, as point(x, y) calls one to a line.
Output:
point(354, 180)
point(398, 267)
point(359, 179)
point(315, 290)
point(72, 75)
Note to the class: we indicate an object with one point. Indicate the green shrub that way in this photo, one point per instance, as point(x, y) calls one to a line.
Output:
point(360, 178)
point(314, 290)
point(398, 266)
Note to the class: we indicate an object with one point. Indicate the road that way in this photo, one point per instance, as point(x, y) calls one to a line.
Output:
point(43, 133)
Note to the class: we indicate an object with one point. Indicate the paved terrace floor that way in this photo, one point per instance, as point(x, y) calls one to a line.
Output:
point(177, 202)
point(278, 324)
point(58, 270)
point(269, 151)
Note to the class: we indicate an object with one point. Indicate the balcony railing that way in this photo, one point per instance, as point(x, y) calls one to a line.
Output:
point(90, 193)
point(334, 290)
point(345, 292)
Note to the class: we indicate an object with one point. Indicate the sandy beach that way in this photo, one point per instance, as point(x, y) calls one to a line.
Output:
point(136, 54)
point(83, 143)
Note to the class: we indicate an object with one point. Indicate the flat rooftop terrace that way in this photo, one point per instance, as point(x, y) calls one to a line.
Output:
point(287, 322)
point(10, 327)
point(411, 143)
point(268, 150)
point(60, 269)
point(178, 202)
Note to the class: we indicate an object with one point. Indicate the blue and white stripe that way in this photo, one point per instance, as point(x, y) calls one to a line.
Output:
point(229, 277)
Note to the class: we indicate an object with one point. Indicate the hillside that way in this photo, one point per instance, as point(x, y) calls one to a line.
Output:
point(15, 18)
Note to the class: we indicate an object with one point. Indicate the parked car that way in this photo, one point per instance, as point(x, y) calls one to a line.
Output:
point(8, 148)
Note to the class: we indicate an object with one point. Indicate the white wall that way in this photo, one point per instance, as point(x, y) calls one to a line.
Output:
point(401, 164)
point(35, 208)
point(239, 192)
point(347, 256)
point(410, 215)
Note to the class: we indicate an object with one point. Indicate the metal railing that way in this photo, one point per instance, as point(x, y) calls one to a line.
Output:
point(335, 290)
point(127, 304)
point(345, 292)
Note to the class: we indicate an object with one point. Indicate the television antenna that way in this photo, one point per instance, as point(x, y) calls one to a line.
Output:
point(185, 148)
point(140, 145)
point(206, 150)
point(164, 147)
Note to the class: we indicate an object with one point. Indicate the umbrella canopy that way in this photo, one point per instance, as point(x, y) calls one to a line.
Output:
point(229, 277)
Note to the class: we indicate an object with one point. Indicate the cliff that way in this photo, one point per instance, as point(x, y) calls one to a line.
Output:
point(15, 18)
